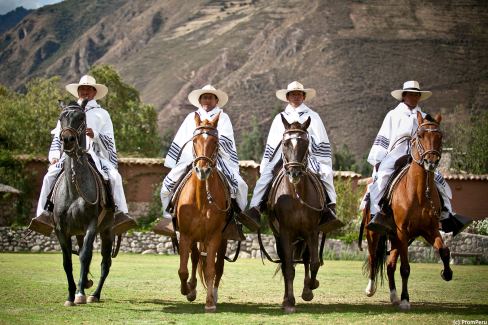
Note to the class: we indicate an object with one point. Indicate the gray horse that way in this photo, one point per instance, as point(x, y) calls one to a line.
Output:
point(80, 207)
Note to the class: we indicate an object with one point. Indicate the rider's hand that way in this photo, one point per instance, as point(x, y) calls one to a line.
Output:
point(89, 132)
point(54, 160)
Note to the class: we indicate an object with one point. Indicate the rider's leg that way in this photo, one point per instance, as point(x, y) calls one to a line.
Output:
point(450, 221)
point(122, 221)
point(43, 222)
point(329, 221)
point(380, 221)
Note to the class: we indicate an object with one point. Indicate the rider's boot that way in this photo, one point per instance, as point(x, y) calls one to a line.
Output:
point(43, 223)
point(329, 221)
point(454, 223)
point(122, 223)
point(165, 227)
point(233, 231)
point(381, 223)
point(251, 218)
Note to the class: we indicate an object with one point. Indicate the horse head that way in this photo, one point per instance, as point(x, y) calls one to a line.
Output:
point(73, 126)
point(295, 148)
point(427, 142)
point(205, 146)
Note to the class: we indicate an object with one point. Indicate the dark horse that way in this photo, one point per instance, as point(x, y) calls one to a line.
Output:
point(295, 204)
point(416, 208)
point(201, 212)
point(79, 207)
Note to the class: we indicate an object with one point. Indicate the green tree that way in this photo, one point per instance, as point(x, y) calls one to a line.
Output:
point(251, 146)
point(470, 145)
point(134, 122)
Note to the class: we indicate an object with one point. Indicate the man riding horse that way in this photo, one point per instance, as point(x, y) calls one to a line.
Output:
point(393, 142)
point(101, 147)
point(319, 156)
point(209, 102)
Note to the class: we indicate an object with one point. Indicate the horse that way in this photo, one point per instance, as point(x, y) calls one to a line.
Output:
point(296, 202)
point(201, 213)
point(79, 207)
point(415, 205)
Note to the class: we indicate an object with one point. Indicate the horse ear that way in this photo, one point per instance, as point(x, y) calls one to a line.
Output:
point(420, 119)
point(438, 118)
point(83, 103)
point(285, 122)
point(198, 121)
point(306, 124)
point(215, 120)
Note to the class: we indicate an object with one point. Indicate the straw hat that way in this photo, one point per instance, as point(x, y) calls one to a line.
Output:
point(412, 87)
point(87, 80)
point(295, 85)
point(208, 89)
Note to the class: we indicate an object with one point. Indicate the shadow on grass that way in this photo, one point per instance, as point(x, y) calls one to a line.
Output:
point(181, 307)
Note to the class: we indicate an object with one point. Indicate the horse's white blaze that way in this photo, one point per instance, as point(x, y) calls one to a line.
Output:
point(371, 288)
point(405, 305)
point(205, 136)
point(394, 297)
point(294, 143)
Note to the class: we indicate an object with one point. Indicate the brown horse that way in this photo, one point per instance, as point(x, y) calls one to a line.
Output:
point(416, 208)
point(201, 212)
point(295, 203)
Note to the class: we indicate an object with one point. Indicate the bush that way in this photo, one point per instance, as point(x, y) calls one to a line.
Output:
point(479, 227)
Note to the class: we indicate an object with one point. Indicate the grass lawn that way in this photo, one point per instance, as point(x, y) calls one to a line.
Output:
point(144, 289)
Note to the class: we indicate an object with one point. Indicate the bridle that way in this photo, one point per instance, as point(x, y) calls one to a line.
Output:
point(299, 134)
point(295, 134)
point(207, 130)
point(79, 132)
point(418, 144)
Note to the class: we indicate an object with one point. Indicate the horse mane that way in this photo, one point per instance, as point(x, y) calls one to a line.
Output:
point(429, 118)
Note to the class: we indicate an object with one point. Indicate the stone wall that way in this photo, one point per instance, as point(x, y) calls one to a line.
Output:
point(20, 240)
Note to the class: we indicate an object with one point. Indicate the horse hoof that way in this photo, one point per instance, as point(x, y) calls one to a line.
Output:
point(315, 285)
point(404, 305)
point(289, 309)
point(192, 295)
point(446, 276)
point(68, 303)
point(370, 289)
point(211, 309)
point(89, 284)
point(394, 298)
point(80, 299)
point(92, 299)
point(307, 295)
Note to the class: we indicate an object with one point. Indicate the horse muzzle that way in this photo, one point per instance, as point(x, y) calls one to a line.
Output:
point(294, 175)
point(430, 165)
point(203, 173)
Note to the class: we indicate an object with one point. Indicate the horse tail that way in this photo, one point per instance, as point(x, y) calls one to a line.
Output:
point(202, 260)
point(115, 249)
point(377, 263)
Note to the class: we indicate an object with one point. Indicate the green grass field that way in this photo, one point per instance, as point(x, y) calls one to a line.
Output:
point(144, 289)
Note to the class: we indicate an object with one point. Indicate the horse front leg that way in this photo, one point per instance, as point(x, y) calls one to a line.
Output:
point(86, 254)
point(66, 247)
point(184, 250)
point(219, 268)
point(106, 251)
point(288, 270)
point(435, 239)
point(313, 264)
point(192, 284)
point(405, 273)
point(212, 247)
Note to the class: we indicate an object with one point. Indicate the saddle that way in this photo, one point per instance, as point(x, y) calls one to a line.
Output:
point(401, 167)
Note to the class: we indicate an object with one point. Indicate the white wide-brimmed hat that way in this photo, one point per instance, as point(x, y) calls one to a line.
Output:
point(208, 89)
point(295, 85)
point(411, 86)
point(87, 80)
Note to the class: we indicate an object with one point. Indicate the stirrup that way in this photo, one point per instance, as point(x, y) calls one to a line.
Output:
point(42, 224)
point(164, 227)
point(250, 218)
point(381, 223)
point(122, 223)
point(233, 231)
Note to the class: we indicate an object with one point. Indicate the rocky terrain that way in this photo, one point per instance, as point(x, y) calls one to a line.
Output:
point(353, 52)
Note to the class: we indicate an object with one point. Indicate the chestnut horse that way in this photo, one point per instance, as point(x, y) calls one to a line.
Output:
point(201, 213)
point(416, 208)
point(295, 203)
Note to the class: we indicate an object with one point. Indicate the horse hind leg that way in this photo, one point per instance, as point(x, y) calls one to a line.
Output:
point(106, 251)
point(212, 248)
point(312, 264)
point(390, 269)
point(288, 270)
point(219, 269)
point(183, 270)
point(405, 273)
